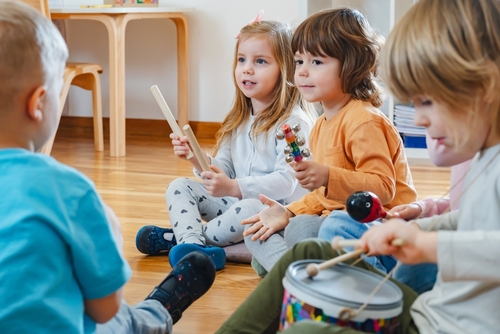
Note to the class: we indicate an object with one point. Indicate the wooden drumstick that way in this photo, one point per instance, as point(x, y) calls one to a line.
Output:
point(339, 243)
point(168, 115)
point(313, 269)
point(202, 158)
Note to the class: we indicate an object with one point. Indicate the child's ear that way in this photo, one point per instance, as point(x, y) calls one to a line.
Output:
point(36, 103)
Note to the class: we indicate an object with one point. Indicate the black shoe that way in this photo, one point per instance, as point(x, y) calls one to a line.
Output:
point(191, 277)
point(150, 240)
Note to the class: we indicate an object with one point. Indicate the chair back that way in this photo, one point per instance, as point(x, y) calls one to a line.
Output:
point(41, 5)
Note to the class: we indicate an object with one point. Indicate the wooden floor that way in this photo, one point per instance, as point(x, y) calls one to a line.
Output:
point(134, 187)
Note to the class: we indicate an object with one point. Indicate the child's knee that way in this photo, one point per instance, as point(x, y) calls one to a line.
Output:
point(248, 239)
point(339, 223)
point(252, 206)
point(311, 249)
point(334, 222)
point(177, 186)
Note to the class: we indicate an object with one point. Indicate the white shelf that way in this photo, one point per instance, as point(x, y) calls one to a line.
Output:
point(416, 153)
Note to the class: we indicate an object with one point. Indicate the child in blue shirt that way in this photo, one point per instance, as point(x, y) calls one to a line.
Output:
point(61, 270)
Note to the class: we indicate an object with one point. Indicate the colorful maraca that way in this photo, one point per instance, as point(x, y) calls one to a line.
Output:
point(294, 141)
point(365, 207)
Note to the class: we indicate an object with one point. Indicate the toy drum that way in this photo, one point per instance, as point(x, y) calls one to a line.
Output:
point(322, 297)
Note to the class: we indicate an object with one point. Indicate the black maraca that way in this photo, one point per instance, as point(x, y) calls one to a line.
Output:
point(365, 207)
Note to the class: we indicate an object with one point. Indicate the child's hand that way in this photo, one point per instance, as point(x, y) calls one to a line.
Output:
point(419, 246)
point(268, 221)
point(181, 147)
point(311, 175)
point(406, 211)
point(218, 184)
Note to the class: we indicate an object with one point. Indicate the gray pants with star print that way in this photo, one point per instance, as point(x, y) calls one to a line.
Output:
point(189, 205)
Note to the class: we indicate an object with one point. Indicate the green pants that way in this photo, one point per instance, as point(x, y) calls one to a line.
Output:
point(260, 312)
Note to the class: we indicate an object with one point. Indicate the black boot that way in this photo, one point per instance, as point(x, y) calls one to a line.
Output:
point(190, 278)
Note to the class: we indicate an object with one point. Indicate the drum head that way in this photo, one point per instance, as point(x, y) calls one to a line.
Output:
point(343, 285)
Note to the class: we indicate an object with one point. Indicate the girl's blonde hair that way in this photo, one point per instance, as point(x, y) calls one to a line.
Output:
point(448, 51)
point(346, 35)
point(286, 95)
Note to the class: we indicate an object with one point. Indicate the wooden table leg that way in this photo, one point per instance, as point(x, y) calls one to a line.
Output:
point(183, 66)
point(116, 25)
point(117, 89)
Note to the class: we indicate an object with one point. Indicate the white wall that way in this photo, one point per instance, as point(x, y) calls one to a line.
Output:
point(151, 56)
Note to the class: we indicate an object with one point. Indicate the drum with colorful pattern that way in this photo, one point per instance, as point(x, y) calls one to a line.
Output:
point(322, 297)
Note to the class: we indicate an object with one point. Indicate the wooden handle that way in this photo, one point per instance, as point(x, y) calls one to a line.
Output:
point(339, 242)
point(202, 158)
point(314, 268)
point(168, 115)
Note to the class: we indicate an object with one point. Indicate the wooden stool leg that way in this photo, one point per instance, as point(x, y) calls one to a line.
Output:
point(97, 109)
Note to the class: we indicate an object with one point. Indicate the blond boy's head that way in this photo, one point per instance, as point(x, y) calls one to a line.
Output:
point(448, 51)
point(32, 59)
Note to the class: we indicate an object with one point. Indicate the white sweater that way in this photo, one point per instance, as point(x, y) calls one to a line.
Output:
point(260, 168)
point(466, 296)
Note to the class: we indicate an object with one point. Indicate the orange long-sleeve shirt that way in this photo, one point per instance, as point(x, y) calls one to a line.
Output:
point(363, 151)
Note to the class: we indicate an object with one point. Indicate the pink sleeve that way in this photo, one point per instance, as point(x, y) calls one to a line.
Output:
point(431, 207)
point(443, 205)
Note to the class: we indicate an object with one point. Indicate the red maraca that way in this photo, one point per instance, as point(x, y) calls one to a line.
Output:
point(365, 207)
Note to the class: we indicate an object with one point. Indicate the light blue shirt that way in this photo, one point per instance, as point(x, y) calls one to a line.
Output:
point(467, 290)
point(57, 247)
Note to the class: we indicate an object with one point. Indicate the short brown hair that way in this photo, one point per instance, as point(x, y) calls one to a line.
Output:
point(345, 34)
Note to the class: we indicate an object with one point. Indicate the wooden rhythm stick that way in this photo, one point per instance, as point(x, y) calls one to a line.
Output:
point(313, 269)
point(202, 158)
point(168, 115)
point(339, 243)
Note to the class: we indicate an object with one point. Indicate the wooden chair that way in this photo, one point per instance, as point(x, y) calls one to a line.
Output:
point(83, 75)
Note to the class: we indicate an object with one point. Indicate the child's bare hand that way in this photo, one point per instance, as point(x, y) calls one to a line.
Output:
point(419, 246)
point(268, 221)
point(218, 184)
point(181, 146)
point(406, 211)
point(311, 175)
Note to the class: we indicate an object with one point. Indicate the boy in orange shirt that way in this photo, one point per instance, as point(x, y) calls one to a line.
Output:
point(353, 144)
